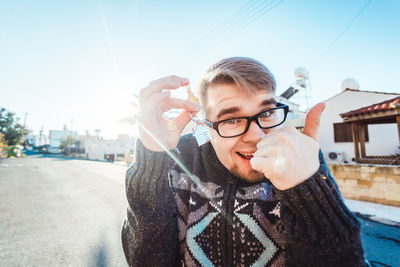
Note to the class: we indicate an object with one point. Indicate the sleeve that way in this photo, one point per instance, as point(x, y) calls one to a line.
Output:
point(319, 229)
point(149, 233)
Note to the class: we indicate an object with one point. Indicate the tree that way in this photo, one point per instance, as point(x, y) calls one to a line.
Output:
point(12, 130)
point(67, 142)
point(2, 141)
point(3, 146)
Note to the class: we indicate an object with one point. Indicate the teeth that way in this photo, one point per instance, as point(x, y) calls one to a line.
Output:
point(246, 154)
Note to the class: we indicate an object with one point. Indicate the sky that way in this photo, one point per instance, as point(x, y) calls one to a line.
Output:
point(80, 63)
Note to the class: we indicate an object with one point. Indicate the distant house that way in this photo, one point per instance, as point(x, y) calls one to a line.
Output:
point(295, 117)
point(56, 137)
point(83, 139)
point(109, 150)
point(37, 140)
point(335, 136)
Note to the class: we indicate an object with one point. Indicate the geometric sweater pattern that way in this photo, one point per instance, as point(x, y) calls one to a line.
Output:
point(254, 223)
point(223, 221)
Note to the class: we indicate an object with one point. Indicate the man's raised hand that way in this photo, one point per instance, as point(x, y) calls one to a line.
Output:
point(155, 100)
point(288, 157)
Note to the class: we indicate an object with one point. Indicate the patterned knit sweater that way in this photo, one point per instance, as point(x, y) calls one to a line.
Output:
point(209, 217)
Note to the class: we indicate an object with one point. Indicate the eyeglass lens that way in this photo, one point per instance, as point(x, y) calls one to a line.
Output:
point(237, 126)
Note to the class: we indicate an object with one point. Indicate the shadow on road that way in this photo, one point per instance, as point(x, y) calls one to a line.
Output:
point(100, 255)
point(50, 156)
point(107, 252)
point(56, 157)
point(378, 264)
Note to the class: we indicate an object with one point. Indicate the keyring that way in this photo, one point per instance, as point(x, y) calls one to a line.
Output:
point(200, 132)
point(195, 119)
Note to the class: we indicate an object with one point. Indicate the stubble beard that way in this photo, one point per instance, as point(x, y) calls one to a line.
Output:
point(251, 176)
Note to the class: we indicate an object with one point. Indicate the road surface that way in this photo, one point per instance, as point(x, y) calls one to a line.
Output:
point(56, 211)
point(61, 212)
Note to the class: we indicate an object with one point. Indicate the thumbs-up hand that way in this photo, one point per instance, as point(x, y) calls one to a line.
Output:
point(286, 156)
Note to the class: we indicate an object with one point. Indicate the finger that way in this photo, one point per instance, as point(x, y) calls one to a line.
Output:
point(273, 138)
point(177, 103)
point(182, 120)
point(271, 166)
point(268, 151)
point(156, 99)
point(312, 121)
point(265, 165)
point(257, 163)
point(170, 82)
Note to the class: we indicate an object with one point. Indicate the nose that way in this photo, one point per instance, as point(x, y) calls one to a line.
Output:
point(254, 134)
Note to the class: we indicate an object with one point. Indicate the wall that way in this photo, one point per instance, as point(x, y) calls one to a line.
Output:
point(95, 149)
point(378, 144)
point(56, 136)
point(350, 100)
point(373, 183)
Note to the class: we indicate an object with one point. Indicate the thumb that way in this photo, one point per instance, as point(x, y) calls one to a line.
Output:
point(182, 119)
point(312, 121)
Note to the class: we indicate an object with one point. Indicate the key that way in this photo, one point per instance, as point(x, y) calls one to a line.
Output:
point(201, 134)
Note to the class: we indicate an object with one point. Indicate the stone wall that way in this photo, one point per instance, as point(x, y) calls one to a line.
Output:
point(373, 183)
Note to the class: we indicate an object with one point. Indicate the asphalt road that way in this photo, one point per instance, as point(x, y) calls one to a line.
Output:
point(57, 211)
point(381, 243)
point(61, 212)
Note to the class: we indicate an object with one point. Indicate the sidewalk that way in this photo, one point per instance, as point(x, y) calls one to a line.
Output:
point(376, 212)
point(122, 163)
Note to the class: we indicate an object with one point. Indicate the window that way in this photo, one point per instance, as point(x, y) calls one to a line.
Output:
point(343, 132)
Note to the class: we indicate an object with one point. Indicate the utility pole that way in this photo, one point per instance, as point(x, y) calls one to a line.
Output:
point(26, 115)
point(41, 137)
point(97, 133)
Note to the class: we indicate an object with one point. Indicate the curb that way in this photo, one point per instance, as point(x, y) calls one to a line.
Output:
point(376, 219)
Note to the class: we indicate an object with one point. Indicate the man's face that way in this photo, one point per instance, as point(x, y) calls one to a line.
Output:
point(227, 101)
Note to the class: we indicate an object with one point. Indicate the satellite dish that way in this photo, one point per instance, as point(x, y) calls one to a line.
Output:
point(349, 83)
point(302, 83)
point(301, 72)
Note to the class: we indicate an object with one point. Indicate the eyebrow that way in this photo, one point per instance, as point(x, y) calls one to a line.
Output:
point(222, 112)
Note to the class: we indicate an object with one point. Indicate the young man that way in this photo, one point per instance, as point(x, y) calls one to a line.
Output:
point(259, 194)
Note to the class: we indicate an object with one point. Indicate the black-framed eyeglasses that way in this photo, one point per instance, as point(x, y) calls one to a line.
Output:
point(265, 119)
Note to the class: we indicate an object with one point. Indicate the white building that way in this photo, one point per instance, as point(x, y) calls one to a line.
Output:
point(295, 117)
point(57, 136)
point(110, 150)
point(334, 136)
point(37, 140)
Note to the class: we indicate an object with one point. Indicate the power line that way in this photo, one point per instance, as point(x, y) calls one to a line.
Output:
point(326, 51)
point(256, 16)
point(259, 13)
point(245, 14)
point(231, 19)
point(231, 25)
point(232, 31)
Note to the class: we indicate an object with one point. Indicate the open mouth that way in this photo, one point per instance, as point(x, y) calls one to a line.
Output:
point(247, 156)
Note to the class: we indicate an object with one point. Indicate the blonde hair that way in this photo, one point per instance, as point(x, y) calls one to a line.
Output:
point(246, 73)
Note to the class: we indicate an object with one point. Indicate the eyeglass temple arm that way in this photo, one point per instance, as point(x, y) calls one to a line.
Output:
point(207, 123)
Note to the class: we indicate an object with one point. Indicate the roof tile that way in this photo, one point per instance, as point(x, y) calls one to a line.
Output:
point(374, 108)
